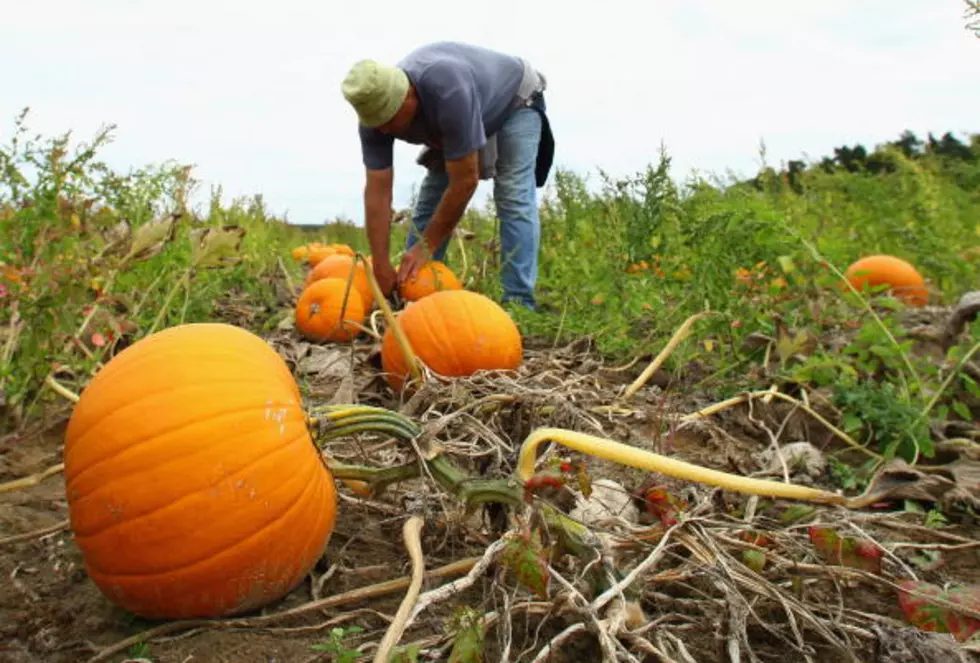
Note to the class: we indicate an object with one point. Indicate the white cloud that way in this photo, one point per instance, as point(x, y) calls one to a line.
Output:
point(249, 90)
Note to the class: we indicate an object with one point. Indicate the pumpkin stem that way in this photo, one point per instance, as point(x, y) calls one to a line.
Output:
point(410, 357)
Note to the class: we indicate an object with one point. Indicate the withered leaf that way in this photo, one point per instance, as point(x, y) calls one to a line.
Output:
point(151, 238)
point(116, 237)
point(216, 247)
point(958, 481)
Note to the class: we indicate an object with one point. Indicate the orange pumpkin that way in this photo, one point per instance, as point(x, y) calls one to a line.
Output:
point(319, 252)
point(300, 253)
point(455, 333)
point(194, 488)
point(904, 280)
point(318, 311)
point(339, 267)
point(433, 276)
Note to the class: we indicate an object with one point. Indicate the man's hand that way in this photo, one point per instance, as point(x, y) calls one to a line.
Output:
point(385, 275)
point(413, 260)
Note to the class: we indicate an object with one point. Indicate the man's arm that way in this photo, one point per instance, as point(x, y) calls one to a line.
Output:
point(377, 211)
point(464, 177)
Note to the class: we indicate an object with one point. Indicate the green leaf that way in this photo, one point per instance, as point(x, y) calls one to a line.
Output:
point(468, 644)
point(961, 409)
point(796, 513)
point(754, 559)
point(786, 264)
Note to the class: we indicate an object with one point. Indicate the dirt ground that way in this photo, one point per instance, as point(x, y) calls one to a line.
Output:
point(50, 612)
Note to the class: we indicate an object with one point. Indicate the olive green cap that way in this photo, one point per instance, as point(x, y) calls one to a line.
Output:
point(376, 91)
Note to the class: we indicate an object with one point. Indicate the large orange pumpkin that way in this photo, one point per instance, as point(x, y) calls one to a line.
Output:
point(904, 280)
point(339, 267)
point(455, 333)
point(433, 276)
point(194, 488)
point(318, 311)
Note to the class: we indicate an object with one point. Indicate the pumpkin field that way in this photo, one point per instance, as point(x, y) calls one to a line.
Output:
point(740, 424)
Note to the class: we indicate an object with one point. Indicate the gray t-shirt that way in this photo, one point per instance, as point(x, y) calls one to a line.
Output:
point(465, 94)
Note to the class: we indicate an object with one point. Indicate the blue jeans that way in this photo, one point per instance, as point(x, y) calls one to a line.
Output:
point(514, 194)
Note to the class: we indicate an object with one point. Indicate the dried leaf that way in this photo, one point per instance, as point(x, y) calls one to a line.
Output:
point(151, 238)
point(325, 362)
point(789, 346)
point(845, 550)
point(528, 561)
point(928, 616)
point(216, 247)
point(117, 237)
point(958, 481)
point(583, 478)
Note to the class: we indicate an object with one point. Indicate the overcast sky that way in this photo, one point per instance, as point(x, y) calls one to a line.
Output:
point(250, 91)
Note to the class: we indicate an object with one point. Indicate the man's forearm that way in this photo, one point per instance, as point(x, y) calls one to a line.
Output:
point(377, 222)
point(448, 212)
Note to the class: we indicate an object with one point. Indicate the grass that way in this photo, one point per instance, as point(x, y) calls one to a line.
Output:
point(625, 263)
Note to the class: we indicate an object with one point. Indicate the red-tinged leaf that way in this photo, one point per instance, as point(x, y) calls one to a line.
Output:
point(663, 505)
point(756, 539)
point(846, 550)
point(98, 340)
point(528, 561)
point(540, 481)
point(920, 612)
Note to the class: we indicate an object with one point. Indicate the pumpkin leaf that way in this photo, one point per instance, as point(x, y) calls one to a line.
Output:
point(663, 505)
point(754, 559)
point(541, 480)
point(929, 616)
point(151, 238)
point(469, 640)
point(845, 550)
point(527, 560)
point(216, 247)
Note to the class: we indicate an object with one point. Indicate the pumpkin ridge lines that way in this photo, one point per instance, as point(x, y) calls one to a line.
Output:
point(150, 354)
point(429, 324)
point(195, 492)
point(228, 547)
point(288, 444)
point(159, 433)
point(170, 388)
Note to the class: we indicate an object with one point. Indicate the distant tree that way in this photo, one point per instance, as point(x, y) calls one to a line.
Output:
point(909, 144)
point(950, 147)
point(973, 16)
point(851, 159)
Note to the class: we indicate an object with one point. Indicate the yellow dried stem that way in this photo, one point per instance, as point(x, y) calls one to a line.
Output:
point(770, 394)
point(411, 533)
point(675, 340)
point(647, 460)
point(33, 480)
point(410, 358)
